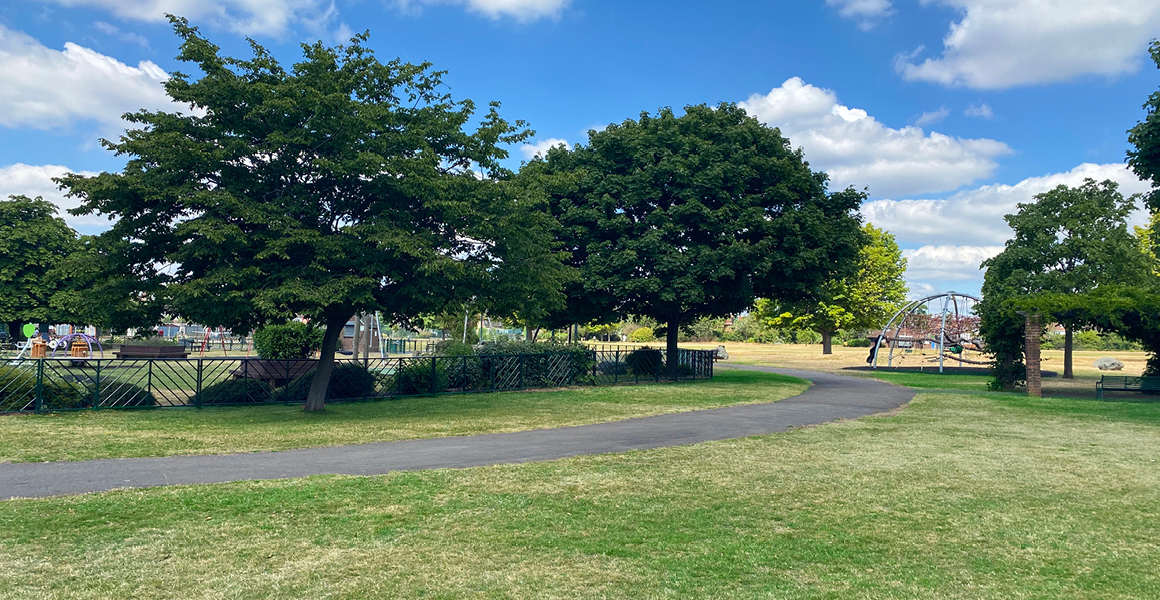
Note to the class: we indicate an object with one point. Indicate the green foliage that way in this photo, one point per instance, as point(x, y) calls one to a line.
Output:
point(18, 388)
point(1069, 241)
point(1092, 340)
point(1144, 158)
point(645, 362)
point(677, 218)
point(33, 243)
point(336, 186)
point(453, 348)
point(863, 300)
point(348, 381)
point(237, 391)
point(415, 376)
point(152, 340)
point(858, 343)
point(125, 395)
point(642, 335)
point(288, 341)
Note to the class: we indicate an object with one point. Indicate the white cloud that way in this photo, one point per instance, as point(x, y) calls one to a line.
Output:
point(868, 12)
point(932, 117)
point(45, 88)
point(541, 147)
point(980, 111)
point(124, 36)
point(33, 181)
point(247, 17)
point(975, 217)
point(520, 10)
point(856, 149)
point(947, 263)
point(1005, 43)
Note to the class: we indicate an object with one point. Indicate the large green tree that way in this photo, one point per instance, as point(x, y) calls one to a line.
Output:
point(863, 300)
point(336, 186)
point(34, 241)
point(680, 217)
point(1071, 240)
point(1144, 157)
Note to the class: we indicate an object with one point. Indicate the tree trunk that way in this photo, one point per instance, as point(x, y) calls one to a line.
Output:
point(316, 399)
point(672, 353)
point(14, 331)
point(1067, 347)
point(369, 318)
point(827, 345)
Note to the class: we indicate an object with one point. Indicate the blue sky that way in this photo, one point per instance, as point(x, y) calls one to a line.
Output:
point(948, 111)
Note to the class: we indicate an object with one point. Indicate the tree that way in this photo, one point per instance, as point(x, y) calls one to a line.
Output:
point(1069, 241)
point(33, 243)
point(677, 218)
point(864, 300)
point(1144, 159)
point(337, 186)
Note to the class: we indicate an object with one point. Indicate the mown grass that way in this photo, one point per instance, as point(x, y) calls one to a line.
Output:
point(163, 432)
point(956, 497)
point(941, 381)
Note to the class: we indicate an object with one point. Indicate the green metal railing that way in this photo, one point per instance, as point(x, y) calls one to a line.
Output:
point(52, 384)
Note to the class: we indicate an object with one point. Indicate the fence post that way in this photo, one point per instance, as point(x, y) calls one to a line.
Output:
point(616, 368)
point(434, 374)
point(149, 381)
point(38, 403)
point(245, 377)
point(197, 384)
point(520, 359)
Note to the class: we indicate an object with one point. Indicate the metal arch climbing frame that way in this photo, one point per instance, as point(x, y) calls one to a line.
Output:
point(907, 310)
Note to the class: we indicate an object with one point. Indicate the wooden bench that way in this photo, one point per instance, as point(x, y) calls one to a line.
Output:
point(134, 351)
point(1123, 383)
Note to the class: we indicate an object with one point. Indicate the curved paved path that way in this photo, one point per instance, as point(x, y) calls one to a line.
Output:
point(831, 397)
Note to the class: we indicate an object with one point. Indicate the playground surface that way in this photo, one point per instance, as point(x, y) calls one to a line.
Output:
point(830, 398)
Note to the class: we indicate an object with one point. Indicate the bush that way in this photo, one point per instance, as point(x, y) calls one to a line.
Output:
point(611, 367)
point(154, 340)
point(645, 361)
point(414, 378)
point(642, 335)
point(858, 343)
point(288, 341)
point(237, 391)
point(453, 348)
point(18, 391)
point(348, 381)
point(124, 395)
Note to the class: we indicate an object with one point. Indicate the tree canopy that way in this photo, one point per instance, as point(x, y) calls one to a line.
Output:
point(863, 300)
point(679, 217)
point(338, 185)
point(1069, 241)
point(33, 244)
point(1144, 158)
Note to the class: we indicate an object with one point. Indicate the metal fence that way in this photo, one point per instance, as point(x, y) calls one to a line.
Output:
point(53, 384)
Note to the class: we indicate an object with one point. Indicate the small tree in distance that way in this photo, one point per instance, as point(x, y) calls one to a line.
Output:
point(864, 300)
point(34, 242)
point(337, 186)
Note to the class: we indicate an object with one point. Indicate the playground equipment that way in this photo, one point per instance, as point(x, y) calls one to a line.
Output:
point(946, 323)
point(79, 345)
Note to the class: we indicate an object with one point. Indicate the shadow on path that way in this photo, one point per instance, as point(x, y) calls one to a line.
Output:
point(830, 398)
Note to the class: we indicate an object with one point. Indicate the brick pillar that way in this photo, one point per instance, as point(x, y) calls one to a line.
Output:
point(1031, 354)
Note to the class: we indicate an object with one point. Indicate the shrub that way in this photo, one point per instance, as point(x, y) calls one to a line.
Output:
point(155, 340)
point(348, 381)
point(611, 367)
point(124, 395)
point(453, 348)
point(414, 378)
point(18, 391)
point(642, 335)
point(237, 391)
point(645, 361)
point(858, 343)
point(288, 341)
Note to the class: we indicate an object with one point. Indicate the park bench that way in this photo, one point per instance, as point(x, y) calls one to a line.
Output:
point(1122, 383)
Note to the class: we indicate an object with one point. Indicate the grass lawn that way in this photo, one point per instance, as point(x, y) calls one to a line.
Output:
point(945, 381)
point(163, 432)
point(958, 496)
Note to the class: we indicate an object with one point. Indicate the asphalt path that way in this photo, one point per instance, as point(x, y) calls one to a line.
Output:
point(831, 397)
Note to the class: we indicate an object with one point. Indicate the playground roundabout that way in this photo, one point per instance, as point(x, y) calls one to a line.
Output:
point(830, 398)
